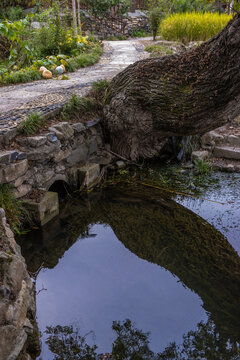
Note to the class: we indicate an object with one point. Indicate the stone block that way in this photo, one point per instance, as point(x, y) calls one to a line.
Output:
point(64, 128)
point(200, 155)
point(44, 152)
point(45, 210)
point(52, 137)
point(7, 157)
point(233, 140)
point(78, 127)
point(212, 138)
point(22, 190)
point(12, 171)
point(89, 175)
point(93, 146)
point(227, 152)
point(36, 141)
point(78, 155)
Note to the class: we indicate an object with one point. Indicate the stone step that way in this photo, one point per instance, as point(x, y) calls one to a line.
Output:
point(227, 152)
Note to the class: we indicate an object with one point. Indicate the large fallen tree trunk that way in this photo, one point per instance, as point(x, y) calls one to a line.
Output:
point(184, 94)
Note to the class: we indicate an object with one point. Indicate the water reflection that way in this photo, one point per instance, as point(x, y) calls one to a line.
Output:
point(131, 343)
point(160, 231)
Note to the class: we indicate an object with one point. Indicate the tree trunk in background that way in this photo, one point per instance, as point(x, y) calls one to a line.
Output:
point(74, 18)
point(79, 16)
point(175, 95)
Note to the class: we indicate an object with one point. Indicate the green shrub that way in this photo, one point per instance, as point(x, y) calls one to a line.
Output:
point(21, 76)
point(193, 26)
point(32, 124)
point(156, 16)
point(183, 6)
point(140, 33)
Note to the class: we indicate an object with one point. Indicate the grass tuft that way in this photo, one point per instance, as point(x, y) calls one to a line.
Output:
point(32, 124)
point(15, 213)
point(76, 106)
point(158, 50)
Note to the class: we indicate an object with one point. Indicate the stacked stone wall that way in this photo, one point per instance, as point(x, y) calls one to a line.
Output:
point(116, 25)
point(18, 329)
point(36, 162)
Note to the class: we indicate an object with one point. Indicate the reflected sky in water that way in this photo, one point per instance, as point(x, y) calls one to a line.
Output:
point(225, 218)
point(98, 280)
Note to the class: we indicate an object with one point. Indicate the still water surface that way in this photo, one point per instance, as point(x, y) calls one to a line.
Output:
point(135, 253)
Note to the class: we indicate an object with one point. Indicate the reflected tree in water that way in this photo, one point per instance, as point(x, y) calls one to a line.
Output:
point(67, 344)
point(132, 343)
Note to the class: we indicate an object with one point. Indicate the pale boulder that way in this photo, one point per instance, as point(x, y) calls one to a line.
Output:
point(63, 67)
point(42, 69)
point(47, 74)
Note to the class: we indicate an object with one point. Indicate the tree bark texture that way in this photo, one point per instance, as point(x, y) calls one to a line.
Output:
point(174, 95)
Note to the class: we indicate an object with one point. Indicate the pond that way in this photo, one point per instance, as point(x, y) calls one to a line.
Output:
point(139, 253)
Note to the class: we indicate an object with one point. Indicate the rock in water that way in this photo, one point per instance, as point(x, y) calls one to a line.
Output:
point(47, 74)
point(59, 69)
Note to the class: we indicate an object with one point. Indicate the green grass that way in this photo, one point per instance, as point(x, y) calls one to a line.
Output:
point(15, 213)
point(193, 26)
point(158, 50)
point(32, 124)
point(29, 74)
point(86, 59)
point(100, 85)
point(77, 106)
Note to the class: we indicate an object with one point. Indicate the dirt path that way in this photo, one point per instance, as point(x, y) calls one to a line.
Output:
point(46, 95)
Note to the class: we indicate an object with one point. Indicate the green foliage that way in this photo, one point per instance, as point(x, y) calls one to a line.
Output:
point(140, 33)
point(17, 33)
point(102, 8)
point(76, 106)
point(32, 124)
point(13, 13)
point(100, 85)
point(84, 60)
point(52, 39)
point(193, 26)
point(183, 6)
point(202, 167)
point(14, 210)
point(156, 16)
point(20, 76)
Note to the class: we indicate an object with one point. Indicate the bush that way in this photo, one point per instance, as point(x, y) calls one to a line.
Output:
point(183, 6)
point(193, 26)
point(156, 16)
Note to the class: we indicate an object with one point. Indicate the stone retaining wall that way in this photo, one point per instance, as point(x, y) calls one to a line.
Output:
point(36, 162)
point(116, 25)
point(18, 329)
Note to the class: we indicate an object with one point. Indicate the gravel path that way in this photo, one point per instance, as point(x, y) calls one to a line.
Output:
point(45, 96)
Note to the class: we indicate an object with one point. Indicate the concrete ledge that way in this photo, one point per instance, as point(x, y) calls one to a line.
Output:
point(45, 210)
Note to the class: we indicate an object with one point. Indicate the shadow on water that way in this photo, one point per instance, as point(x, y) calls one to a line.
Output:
point(159, 230)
